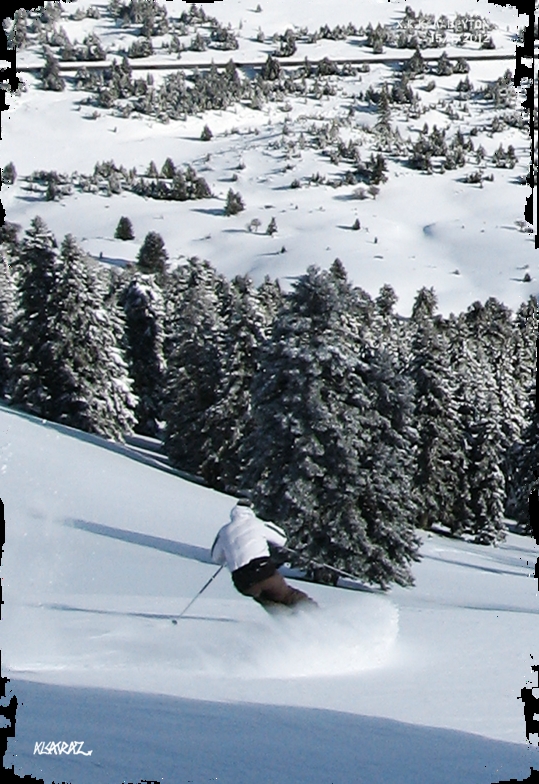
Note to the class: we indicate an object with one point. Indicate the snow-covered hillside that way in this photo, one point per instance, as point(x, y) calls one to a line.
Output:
point(101, 552)
point(462, 238)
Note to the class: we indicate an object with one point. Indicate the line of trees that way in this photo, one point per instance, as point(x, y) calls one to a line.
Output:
point(170, 183)
point(351, 424)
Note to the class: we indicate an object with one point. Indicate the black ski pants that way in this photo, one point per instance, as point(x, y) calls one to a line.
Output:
point(261, 580)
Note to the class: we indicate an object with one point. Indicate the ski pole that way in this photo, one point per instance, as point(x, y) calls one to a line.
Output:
point(193, 600)
point(323, 565)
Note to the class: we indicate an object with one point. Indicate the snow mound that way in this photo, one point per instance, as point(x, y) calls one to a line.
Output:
point(340, 639)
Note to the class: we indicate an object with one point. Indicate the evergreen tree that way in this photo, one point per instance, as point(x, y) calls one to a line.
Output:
point(288, 45)
point(92, 390)
point(440, 479)
point(51, 79)
point(271, 298)
point(7, 299)
point(9, 237)
point(389, 332)
point(152, 170)
point(152, 256)
point(195, 336)
point(378, 169)
point(234, 203)
point(18, 35)
point(483, 482)
point(444, 67)
point(179, 187)
point(526, 467)
point(324, 456)
point(271, 227)
point(143, 306)
point(124, 229)
point(198, 44)
point(228, 421)
point(168, 170)
point(67, 366)
point(383, 109)
point(52, 192)
point(491, 327)
point(32, 374)
point(416, 64)
point(206, 134)
point(522, 459)
point(9, 173)
point(271, 69)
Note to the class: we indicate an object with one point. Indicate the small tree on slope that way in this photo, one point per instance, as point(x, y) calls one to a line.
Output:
point(124, 229)
point(152, 256)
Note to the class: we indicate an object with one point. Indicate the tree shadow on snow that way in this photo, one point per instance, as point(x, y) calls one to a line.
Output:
point(183, 549)
point(152, 616)
point(209, 210)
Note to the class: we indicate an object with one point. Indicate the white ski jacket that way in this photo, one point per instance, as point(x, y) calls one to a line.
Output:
point(244, 538)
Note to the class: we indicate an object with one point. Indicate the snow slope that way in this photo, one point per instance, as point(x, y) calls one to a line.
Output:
point(102, 551)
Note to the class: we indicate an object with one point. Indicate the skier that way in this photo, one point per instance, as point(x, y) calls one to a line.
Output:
point(242, 544)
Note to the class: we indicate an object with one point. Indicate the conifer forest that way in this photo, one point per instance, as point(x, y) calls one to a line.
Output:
point(349, 422)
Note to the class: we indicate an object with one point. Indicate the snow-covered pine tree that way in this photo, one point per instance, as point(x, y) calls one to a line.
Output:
point(9, 247)
point(524, 363)
point(7, 301)
point(206, 134)
point(271, 227)
point(234, 203)
point(18, 34)
point(389, 330)
point(480, 513)
point(9, 237)
point(506, 344)
point(195, 337)
point(142, 301)
point(526, 466)
point(440, 479)
point(51, 78)
point(168, 169)
point(322, 458)
point(32, 371)
point(271, 297)
point(91, 389)
point(228, 421)
point(9, 173)
point(487, 481)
